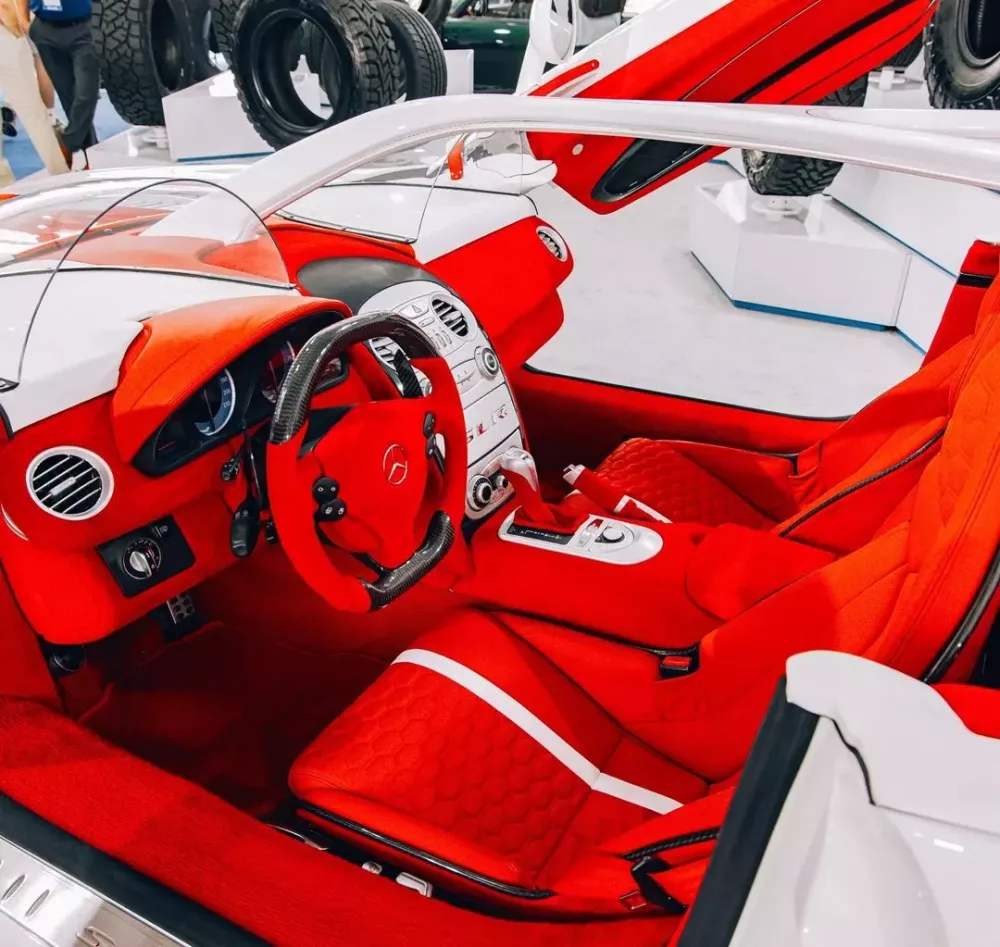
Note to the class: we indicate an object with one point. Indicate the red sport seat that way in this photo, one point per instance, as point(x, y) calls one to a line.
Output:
point(709, 484)
point(539, 768)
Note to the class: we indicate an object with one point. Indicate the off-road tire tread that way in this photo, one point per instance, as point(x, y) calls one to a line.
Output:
point(127, 74)
point(940, 80)
point(795, 176)
point(425, 71)
point(375, 61)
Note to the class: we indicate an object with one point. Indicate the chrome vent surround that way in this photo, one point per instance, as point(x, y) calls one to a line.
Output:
point(70, 482)
point(451, 316)
point(553, 243)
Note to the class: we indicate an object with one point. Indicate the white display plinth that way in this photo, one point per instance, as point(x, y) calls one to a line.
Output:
point(819, 261)
point(460, 76)
point(136, 146)
point(206, 121)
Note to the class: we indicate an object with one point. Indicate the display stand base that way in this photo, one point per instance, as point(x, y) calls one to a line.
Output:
point(802, 257)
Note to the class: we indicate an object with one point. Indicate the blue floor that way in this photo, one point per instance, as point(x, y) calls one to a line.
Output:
point(21, 153)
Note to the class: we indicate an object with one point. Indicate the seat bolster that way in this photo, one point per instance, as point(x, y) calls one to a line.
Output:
point(734, 568)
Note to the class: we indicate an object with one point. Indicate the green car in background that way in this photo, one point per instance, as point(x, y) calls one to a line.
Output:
point(497, 33)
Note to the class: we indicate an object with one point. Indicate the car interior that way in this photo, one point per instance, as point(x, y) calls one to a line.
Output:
point(334, 596)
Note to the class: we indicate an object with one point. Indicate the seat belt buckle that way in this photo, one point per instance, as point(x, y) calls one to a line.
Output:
point(649, 891)
point(678, 663)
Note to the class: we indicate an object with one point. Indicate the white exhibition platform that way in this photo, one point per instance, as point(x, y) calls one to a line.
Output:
point(811, 306)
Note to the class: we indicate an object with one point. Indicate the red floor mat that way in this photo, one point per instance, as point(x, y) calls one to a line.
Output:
point(230, 711)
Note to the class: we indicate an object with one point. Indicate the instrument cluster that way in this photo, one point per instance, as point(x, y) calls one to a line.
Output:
point(243, 395)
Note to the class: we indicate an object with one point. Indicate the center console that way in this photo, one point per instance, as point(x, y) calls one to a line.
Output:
point(491, 418)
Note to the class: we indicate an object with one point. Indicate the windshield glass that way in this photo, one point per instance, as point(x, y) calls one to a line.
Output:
point(107, 269)
point(389, 198)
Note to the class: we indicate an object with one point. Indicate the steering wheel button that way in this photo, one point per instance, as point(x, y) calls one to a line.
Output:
point(324, 489)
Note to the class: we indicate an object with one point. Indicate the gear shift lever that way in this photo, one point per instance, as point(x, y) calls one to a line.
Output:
point(519, 467)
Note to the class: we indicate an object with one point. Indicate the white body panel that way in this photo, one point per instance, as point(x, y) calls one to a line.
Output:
point(89, 317)
point(904, 851)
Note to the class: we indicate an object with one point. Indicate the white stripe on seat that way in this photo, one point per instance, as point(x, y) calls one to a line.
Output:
point(539, 731)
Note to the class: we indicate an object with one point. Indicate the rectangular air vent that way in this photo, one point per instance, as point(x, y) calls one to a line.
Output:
point(451, 316)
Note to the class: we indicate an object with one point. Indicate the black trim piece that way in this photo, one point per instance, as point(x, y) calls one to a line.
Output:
point(514, 891)
point(5, 421)
point(827, 44)
point(771, 769)
point(149, 900)
point(354, 280)
point(642, 874)
point(671, 844)
point(666, 394)
point(978, 280)
point(826, 504)
point(967, 626)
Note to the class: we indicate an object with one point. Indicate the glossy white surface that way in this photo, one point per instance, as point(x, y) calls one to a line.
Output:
point(796, 257)
point(435, 220)
point(271, 183)
point(637, 543)
point(90, 317)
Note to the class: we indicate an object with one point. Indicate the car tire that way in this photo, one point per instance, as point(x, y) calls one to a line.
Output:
point(962, 63)
point(434, 11)
point(360, 65)
point(793, 176)
point(146, 52)
point(907, 56)
point(200, 17)
point(425, 72)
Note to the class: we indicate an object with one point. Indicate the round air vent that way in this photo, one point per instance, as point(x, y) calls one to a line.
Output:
point(70, 482)
point(553, 243)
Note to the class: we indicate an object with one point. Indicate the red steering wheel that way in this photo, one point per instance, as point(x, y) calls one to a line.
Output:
point(371, 476)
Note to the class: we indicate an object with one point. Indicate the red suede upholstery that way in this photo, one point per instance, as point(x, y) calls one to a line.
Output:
point(426, 762)
point(525, 754)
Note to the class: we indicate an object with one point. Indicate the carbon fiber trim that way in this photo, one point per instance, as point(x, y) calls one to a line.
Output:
point(670, 844)
point(300, 382)
point(437, 542)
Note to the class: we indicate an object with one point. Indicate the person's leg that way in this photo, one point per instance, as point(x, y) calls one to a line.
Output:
point(20, 86)
point(45, 87)
point(58, 62)
point(79, 132)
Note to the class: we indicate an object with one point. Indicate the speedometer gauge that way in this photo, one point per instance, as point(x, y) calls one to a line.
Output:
point(214, 405)
point(275, 371)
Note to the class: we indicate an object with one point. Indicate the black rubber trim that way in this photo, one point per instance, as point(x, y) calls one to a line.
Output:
point(967, 626)
point(861, 484)
point(514, 891)
point(354, 280)
point(531, 369)
point(149, 900)
point(394, 582)
point(296, 393)
point(975, 279)
point(827, 44)
point(671, 844)
point(5, 421)
point(770, 771)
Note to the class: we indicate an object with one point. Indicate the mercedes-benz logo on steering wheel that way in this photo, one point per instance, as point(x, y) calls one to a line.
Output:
point(395, 466)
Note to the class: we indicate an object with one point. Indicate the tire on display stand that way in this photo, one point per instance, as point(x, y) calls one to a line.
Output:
point(434, 11)
point(907, 56)
point(146, 52)
point(425, 72)
point(360, 65)
point(200, 16)
point(793, 176)
point(224, 14)
point(962, 60)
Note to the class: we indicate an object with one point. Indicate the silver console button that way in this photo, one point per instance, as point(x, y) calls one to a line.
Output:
point(488, 362)
point(611, 534)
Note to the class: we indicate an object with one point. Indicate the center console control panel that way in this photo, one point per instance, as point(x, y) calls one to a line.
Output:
point(614, 541)
point(491, 419)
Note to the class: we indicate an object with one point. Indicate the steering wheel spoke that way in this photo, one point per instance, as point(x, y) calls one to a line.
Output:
point(372, 476)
